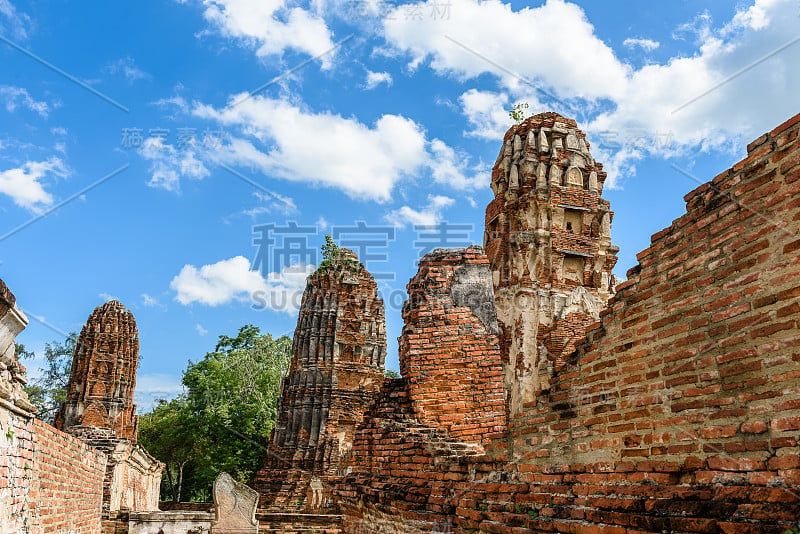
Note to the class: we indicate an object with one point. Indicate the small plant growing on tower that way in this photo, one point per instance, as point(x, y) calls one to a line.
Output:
point(334, 257)
point(517, 113)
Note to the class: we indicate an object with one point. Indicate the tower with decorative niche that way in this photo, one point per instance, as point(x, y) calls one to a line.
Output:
point(103, 375)
point(548, 239)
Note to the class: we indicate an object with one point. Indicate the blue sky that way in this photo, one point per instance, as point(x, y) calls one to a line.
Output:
point(146, 141)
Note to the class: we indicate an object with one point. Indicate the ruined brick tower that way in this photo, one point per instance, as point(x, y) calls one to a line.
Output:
point(548, 238)
point(336, 371)
point(103, 376)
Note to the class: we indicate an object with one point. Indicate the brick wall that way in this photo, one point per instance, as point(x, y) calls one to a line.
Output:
point(680, 413)
point(16, 422)
point(449, 349)
point(67, 483)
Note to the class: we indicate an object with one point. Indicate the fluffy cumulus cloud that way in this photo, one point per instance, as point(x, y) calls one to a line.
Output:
point(25, 184)
point(701, 101)
point(18, 97)
point(272, 26)
point(233, 280)
point(475, 39)
point(364, 161)
point(486, 112)
point(426, 216)
point(374, 79)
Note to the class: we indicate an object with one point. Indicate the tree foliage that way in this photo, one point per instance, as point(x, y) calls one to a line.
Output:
point(49, 389)
point(224, 419)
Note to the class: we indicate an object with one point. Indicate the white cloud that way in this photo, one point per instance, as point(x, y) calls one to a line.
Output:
point(363, 161)
point(581, 65)
point(58, 130)
point(452, 168)
point(169, 164)
point(149, 301)
point(271, 26)
point(107, 297)
point(232, 280)
point(738, 94)
point(429, 215)
point(127, 67)
point(487, 113)
point(645, 44)
point(694, 100)
point(16, 22)
point(19, 96)
point(200, 330)
point(24, 184)
point(374, 79)
point(174, 101)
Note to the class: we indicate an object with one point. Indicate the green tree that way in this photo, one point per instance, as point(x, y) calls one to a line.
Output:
point(391, 373)
point(225, 417)
point(49, 390)
point(170, 433)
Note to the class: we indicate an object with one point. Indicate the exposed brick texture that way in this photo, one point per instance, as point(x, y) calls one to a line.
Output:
point(337, 365)
point(67, 487)
point(679, 412)
point(16, 423)
point(548, 239)
point(103, 375)
point(132, 479)
point(76, 482)
point(449, 350)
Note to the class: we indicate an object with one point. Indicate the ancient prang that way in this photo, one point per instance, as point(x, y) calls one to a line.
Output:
point(99, 410)
point(336, 370)
point(548, 239)
point(103, 375)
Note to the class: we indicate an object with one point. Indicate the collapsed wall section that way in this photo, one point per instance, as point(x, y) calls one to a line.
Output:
point(449, 352)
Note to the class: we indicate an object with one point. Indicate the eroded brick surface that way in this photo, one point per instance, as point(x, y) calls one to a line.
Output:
point(103, 375)
point(337, 365)
point(449, 350)
point(680, 412)
point(548, 238)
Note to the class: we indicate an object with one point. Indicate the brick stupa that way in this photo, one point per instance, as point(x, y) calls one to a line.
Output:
point(103, 376)
point(336, 371)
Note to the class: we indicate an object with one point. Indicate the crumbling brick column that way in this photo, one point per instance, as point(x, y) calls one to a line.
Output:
point(449, 352)
point(16, 422)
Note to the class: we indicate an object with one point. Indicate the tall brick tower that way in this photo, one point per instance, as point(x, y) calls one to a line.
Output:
point(336, 371)
point(548, 239)
point(103, 376)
